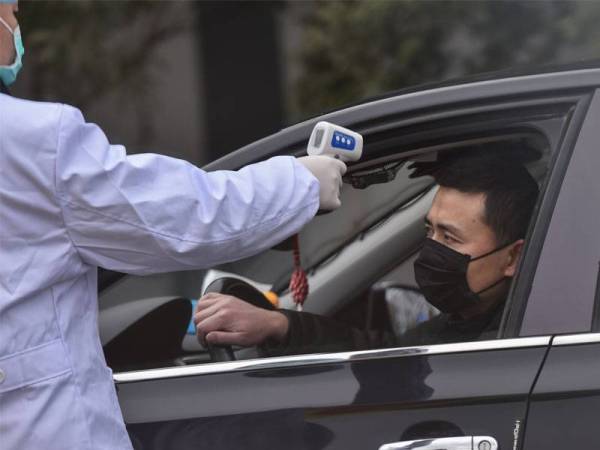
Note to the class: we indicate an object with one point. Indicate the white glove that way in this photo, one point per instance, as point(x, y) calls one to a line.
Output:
point(329, 172)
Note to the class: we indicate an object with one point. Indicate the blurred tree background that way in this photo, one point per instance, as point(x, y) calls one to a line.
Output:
point(325, 53)
point(357, 49)
point(78, 53)
point(81, 52)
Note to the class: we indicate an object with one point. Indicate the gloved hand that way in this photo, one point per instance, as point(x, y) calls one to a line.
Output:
point(329, 172)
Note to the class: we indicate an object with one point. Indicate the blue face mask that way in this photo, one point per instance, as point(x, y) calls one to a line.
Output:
point(8, 74)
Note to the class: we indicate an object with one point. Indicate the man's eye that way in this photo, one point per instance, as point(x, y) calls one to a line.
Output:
point(429, 231)
point(450, 239)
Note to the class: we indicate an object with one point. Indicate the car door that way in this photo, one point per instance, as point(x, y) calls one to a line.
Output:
point(565, 301)
point(469, 392)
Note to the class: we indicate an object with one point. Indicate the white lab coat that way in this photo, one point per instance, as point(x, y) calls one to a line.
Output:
point(69, 202)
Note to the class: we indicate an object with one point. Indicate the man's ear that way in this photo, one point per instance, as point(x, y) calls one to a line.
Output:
point(513, 257)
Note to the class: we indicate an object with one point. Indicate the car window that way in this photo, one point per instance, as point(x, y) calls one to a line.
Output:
point(374, 238)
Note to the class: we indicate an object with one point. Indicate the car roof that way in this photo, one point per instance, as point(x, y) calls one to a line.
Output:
point(513, 72)
point(512, 82)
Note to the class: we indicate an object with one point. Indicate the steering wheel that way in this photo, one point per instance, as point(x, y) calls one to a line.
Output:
point(244, 291)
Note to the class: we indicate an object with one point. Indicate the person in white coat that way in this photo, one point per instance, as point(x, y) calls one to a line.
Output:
point(70, 202)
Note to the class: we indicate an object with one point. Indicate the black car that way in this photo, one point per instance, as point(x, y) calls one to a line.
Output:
point(536, 386)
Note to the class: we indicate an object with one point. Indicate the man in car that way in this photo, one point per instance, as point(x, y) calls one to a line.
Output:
point(475, 235)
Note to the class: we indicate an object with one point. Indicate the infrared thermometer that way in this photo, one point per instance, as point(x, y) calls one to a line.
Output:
point(328, 139)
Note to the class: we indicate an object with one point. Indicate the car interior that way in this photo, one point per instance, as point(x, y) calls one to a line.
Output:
point(358, 258)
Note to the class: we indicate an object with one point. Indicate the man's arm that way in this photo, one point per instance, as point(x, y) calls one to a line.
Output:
point(226, 320)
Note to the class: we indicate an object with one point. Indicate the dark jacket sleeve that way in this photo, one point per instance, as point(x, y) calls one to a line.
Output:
point(311, 333)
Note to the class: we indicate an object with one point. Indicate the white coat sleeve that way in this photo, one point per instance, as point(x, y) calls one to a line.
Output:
point(150, 213)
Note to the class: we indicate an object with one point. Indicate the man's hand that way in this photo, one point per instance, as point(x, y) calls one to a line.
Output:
point(329, 172)
point(226, 320)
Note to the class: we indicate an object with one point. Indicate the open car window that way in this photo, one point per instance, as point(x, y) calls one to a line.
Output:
point(372, 240)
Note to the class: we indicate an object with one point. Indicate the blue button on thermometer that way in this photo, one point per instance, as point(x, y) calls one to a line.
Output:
point(328, 139)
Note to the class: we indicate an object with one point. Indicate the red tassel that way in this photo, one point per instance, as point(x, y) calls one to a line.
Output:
point(299, 280)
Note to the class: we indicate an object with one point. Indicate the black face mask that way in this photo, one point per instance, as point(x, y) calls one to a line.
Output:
point(441, 274)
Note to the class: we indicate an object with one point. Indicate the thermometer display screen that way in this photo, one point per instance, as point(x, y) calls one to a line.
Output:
point(318, 137)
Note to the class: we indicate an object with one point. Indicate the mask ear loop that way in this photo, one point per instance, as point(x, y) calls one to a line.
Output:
point(491, 286)
point(497, 249)
point(488, 254)
point(7, 26)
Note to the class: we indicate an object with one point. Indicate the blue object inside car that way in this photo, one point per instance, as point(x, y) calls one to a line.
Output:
point(191, 326)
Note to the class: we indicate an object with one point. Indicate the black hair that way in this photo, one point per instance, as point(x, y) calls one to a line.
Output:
point(510, 191)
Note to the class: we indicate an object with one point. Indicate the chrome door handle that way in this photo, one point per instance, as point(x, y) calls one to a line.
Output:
point(453, 443)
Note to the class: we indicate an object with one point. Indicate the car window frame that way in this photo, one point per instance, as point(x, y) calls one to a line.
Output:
point(381, 124)
point(578, 101)
point(529, 105)
point(596, 311)
point(527, 110)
